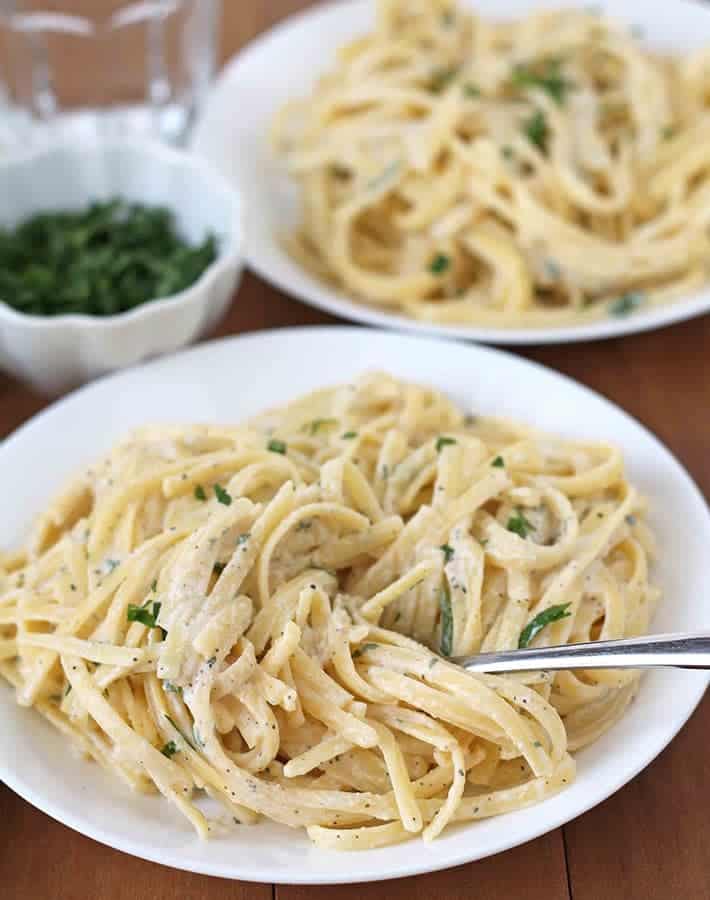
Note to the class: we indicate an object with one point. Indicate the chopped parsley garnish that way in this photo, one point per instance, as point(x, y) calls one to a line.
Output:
point(172, 688)
point(447, 622)
point(363, 649)
point(536, 130)
point(189, 743)
point(442, 78)
point(349, 435)
point(548, 77)
point(541, 620)
point(143, 614)
point(506, 151)
point(668, 132)
point(219, 567)
point(107, 258)
point(443, 441)
point(170, 749)
point(498, 462)
point(200, 493)
point(314, 426)
point(223, 496)
point(154, 585)
point(448, 552)
point(439, 264)
point(276, 446)
point(519, 525)
point(471, 90)
point(626, 304)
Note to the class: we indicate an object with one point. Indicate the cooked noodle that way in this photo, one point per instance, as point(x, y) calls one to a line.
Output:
point(545, 171)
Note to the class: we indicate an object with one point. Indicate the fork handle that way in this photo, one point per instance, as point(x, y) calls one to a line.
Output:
point(684, 651)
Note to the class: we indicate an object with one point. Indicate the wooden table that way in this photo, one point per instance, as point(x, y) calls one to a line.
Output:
point(651, 841)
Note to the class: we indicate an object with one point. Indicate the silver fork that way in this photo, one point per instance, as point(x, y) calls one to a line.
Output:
point(684, 651)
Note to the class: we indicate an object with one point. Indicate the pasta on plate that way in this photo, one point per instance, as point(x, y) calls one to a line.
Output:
point(540, 172)
point(262, 613)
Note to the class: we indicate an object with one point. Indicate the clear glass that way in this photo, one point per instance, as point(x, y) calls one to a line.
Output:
point(86, 68)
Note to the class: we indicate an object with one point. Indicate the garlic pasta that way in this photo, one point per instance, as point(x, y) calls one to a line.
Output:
point(539, 172)
point(263, 612)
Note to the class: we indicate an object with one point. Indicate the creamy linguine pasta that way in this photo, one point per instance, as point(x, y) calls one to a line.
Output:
point(264, 613)
point(540, 172)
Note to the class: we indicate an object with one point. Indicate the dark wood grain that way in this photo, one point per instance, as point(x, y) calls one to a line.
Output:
point(651, 841)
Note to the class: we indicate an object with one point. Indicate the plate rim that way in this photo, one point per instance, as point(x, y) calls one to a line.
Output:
point(417, 864)
point(322, 296)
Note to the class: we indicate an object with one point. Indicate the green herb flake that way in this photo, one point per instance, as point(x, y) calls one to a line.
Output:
point(441, 78)
point(363, 649)
point(154, 585)
point(506, 151)
point(536, 130)
point(223, 496)
point(448, 552)
point(172, 688)
point(541, 620)
point(276, 446)
point(143, 614)
point(443, 441)
point(68, 690)
point(170, 749)
point(519, 525)
point(547, 77)
point(105, 259)
point(626, 304)
point(447, 622)
point(349, 435)
point(315, 426)
point(200, 493)
point(471, 90)
point(498, 462)
point(668, 132)
point(439, 264)
point(172, 722)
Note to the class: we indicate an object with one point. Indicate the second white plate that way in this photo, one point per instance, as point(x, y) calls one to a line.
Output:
point(232, 379)
point(285, 62)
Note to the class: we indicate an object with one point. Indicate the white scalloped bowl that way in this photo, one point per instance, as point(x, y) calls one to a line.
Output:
point(55, 353)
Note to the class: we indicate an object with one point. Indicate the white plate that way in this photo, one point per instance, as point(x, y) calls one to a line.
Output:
point(230, 379)
point(284, 62)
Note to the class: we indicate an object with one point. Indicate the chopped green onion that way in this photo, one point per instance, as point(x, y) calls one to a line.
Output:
point(200, 493)
point(498, 462)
